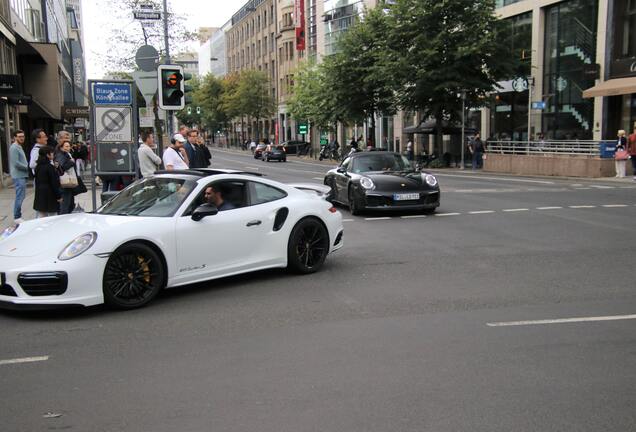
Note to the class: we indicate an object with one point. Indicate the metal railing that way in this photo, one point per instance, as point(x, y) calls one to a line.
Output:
point(576, 147)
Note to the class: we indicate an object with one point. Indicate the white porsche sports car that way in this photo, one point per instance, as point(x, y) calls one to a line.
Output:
point(166, 231)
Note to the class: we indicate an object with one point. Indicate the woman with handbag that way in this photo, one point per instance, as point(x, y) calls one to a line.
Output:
point(68, 176)
point(621, 156)
point(48, 194)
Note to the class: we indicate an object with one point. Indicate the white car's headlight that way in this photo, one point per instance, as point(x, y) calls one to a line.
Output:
point(366, 183)
point(78, 246)
point(430, 179)
point(8, 231)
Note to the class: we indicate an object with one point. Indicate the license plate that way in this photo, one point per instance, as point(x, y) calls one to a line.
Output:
point(406, 197)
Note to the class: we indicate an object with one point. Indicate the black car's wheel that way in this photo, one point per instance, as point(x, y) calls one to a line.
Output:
point(353, 205)
point(134, 275)
point(308, 246)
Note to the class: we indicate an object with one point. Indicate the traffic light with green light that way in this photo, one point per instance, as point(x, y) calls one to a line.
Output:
point(171, 87)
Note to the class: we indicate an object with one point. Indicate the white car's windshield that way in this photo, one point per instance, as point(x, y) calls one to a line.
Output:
point(380, 162)
point(159, 197)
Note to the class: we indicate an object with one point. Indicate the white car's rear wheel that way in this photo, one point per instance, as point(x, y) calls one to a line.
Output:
point(308, 246)
point(133, 276)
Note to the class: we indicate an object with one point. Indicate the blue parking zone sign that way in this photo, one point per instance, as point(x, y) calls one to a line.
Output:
point(112, 94)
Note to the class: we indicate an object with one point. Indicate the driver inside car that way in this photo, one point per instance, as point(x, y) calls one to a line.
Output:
point(215, 197)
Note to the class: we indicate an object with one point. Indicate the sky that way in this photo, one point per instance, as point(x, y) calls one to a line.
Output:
point(198, 13)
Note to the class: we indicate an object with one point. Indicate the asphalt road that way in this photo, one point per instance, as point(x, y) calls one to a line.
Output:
point(417, 324)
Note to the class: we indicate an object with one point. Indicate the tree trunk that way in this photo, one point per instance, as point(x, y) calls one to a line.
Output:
point(439, 135)
point(373, 129)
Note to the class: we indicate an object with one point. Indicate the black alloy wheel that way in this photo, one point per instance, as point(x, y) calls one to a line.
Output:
point(133, 276)
point(308, 246)
point(353, 206)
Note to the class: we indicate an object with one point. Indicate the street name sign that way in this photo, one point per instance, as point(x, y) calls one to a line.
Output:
point(113, 124)
point(146, 15)
point(108, 93)
point(540, 105)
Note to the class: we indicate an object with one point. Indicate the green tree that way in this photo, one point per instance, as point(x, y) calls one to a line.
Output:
point(209, 97)
point(310, 100)
point(438, 48)
point(192, 118)
point(357, 77)
point(249, 95)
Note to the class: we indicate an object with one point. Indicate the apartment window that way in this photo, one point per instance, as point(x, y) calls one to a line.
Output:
point(258, 23)
point(291, 50)
point(265, 18)
point(280, 55)
point(265, 45)
point(273, 41)
point(253, 49)
point(271, 15)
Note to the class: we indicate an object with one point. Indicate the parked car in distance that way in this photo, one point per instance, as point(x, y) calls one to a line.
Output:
point(258, 152)
point(296, 147)
point(274, 152)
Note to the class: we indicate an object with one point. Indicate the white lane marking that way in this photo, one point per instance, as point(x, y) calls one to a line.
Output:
point(582, 206)
point(412, 216)
point(614, 205)
point(577, 185)
point(24, 360)
point(481, 212)
point(602, 187)
point(583, 188)
point(377, 218)
point(253, 167)
point(561, 320)
point(496, 178)
point(549, 208)
point(463, 190)
point(348, 220)
point(515, 210)
point(317, 178)
point(447, 214)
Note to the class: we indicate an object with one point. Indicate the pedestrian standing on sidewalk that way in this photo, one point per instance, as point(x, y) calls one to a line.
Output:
point(149, 162)
point(631, 149)
point(620, 157)
point(205, 154)
point(476, 148)
point(48, 193)
point(65, 162)
point(39, 139)
point(174, 156)
point(19, 169)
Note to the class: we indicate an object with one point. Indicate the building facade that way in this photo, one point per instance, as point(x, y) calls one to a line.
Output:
point(251, 44)
point(213, 54)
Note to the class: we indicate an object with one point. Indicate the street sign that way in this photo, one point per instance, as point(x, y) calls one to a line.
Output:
point(146, 118)
point(540, 105)
point(113, 124)
point(147, 84)
point(302, 128)
point(69, 111)
point(147, 58)
point(112, 93)
point(145, 15)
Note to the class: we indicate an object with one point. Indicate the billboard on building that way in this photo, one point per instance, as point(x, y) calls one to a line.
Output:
point(299, 24)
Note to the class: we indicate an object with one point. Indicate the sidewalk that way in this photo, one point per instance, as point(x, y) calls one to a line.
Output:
point(7, 198)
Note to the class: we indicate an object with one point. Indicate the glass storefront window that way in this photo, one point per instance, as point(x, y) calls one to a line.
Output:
point(509, 108)
point(570, 44)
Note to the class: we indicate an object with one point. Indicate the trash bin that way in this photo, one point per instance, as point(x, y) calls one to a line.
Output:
point(107, 196)
point(607, 149)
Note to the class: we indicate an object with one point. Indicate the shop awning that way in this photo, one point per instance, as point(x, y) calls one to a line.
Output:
point(613, 87)
point(429, 127)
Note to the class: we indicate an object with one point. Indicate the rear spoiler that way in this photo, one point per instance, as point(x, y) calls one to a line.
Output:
point(323, 191)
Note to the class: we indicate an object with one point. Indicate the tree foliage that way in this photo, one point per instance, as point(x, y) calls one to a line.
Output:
point(130, 34)
point(438, 48)
point(310, 100)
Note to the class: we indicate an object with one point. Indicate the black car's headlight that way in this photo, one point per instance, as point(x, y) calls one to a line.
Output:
point(8, 231)
point(78, 246)
point(429, 179)
point(366, 183)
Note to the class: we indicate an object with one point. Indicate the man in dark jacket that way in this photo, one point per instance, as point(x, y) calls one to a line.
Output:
point(476, 148)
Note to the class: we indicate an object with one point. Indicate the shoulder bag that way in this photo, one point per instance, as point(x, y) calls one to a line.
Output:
point(68, 180)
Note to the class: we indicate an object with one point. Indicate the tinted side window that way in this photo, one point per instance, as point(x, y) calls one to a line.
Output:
point(262, 193)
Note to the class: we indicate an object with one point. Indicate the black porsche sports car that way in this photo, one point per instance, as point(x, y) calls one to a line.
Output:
point(382, 181)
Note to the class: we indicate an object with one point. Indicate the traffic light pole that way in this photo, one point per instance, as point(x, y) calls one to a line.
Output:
point(168, 60)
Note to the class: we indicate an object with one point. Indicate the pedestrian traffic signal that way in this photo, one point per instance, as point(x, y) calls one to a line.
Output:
point(198, 110)
point(171, 87)
point(189, 110)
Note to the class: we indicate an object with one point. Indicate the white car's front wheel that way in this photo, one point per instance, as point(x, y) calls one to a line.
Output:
point(133, 276)
point(308, 246)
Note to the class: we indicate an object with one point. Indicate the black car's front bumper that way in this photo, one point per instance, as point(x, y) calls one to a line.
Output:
point(377, 200)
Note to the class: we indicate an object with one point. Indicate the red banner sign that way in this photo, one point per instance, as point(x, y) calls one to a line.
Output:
point(299, 23)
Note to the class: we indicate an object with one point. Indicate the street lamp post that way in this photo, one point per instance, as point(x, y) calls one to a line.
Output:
point(463, 96)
